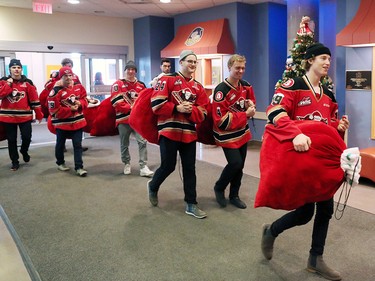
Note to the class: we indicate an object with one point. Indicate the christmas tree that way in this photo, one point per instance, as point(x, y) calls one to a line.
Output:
point(304, 38)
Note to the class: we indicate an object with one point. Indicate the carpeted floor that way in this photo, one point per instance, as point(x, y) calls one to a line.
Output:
point(103, 228)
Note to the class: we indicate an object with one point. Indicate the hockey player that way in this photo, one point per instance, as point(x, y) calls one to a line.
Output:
point(233, 105)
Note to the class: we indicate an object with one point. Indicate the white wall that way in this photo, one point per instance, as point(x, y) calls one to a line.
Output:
point(26, 35)
point(23, 26)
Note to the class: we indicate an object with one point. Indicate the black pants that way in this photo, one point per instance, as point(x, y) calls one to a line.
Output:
point(303, 215)
point(168, 155)
point(233, 171)
point(11, 133)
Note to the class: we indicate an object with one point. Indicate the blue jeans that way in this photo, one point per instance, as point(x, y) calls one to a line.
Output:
point(303, 215)
point(168, 155)
point(76, 136)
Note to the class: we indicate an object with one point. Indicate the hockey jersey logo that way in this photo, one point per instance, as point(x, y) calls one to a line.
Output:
point(130, 96)
point(69, 101)
point(305, 101)
point(314, 116)
point(238, 106)
point(184, 95)
point(287, 84)
point(16, 96)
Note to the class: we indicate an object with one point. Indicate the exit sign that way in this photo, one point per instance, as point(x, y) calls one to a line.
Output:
point(44, 8)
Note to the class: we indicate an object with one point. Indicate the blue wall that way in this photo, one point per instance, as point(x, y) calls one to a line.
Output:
point(151, 35)
point(358, 102)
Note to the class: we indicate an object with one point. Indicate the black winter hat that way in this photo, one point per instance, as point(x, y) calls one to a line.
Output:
point(315, 50)
point(130, 64)
point(14, 62)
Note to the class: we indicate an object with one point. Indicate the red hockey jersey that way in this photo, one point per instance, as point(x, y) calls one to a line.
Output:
point(170, 91)
point(60, 101)
point(295, 100)
point(123, 95)
point(18, 101)
point(230, 123)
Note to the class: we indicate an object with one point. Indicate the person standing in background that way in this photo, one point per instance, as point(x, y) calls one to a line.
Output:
point(19, 97)
point(66, 103)
point(233, 105)
point(124, 92)
point(165, 67)
point(180, 102)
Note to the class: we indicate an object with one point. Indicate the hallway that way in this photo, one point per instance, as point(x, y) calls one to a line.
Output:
point(361, 197)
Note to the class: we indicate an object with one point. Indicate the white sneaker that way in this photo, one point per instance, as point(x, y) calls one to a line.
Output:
point(63, 167)
point(146, 172)
point(81, 172)
point(127, 169)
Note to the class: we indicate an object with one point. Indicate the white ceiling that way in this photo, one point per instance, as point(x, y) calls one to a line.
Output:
point(129, 8)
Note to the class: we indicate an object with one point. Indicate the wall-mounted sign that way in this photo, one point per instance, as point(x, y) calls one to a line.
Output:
point(358, 80)
point(44, 8)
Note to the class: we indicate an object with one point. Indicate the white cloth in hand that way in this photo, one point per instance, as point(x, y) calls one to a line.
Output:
point(351, 165)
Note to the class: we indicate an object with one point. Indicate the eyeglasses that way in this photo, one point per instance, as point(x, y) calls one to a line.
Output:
point(191, 61)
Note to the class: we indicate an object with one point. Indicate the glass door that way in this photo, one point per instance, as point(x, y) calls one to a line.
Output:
point(100, 73)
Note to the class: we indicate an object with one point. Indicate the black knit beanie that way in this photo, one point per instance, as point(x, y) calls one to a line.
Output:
point(316, 50)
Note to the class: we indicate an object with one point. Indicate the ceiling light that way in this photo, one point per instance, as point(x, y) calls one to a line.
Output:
point(73, 1)
point(165, 1)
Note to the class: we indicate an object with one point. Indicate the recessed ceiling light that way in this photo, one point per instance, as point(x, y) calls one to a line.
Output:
point(165, 1)
point(73, 1)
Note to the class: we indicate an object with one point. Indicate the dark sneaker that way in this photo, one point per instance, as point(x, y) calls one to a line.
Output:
point(25, 156)
point(15, 167)
point(193, 210)
point(267, 241)
point(152, 195)
point(236, 201)
point(84, 148)
point(316, 264)
point(220, 198)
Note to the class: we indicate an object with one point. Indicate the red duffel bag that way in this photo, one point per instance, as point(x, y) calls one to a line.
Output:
point(290, 179)
point(142, 119)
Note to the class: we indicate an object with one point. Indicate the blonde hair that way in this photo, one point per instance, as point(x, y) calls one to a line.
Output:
point(235, 58)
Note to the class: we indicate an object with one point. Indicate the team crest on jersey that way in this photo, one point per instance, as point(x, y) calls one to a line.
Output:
point(277, 98)
point(195, 36)
point(16, 96)
point(131, 94)
point(184, 95)
point(314, 116)
point(71, 100)
point(238, 106)
point(288, 83)
point(219, 96)
point(115, 87)
point(305, 101)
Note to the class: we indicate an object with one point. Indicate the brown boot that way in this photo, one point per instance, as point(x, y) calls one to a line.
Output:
point(267, 241)
point(316, 264)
